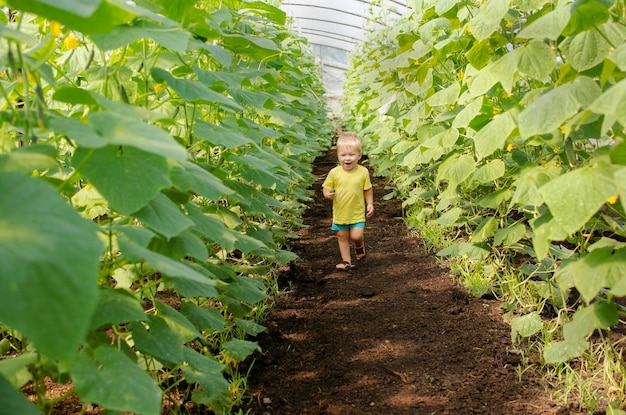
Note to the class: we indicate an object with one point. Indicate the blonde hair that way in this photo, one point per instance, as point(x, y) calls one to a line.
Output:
point(349, 140)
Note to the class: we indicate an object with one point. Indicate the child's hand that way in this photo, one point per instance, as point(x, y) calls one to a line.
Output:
point(329, 193)
point(370, 210)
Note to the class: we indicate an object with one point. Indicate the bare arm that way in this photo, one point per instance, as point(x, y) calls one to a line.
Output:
point(328, 194)
point(369, 200)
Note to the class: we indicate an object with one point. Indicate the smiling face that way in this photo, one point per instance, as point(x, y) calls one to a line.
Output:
point(349, 157)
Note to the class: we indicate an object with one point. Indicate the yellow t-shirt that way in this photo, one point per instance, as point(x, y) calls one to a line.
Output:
point(349, 202)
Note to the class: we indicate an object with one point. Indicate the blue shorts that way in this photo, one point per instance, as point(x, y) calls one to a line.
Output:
point(347, 227)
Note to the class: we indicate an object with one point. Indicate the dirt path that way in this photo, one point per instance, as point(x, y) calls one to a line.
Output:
point(394, 336)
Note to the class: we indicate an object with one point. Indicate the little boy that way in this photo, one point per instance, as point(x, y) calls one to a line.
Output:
point(349, 187)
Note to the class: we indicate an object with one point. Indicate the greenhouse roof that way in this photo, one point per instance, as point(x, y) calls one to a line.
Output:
point(333, 28)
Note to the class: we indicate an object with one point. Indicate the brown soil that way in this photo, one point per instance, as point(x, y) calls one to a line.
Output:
point(394, 336)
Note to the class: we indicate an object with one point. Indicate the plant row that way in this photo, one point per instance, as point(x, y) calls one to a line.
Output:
point(154, 159)
point(502, 123)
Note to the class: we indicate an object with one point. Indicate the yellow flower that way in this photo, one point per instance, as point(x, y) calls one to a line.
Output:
point(613, 200)
point(505, 94)
point(159, 87)
point(55, 28)
point(460, 74)
point(562, 129)
point(451, 107)
point(496, 111)
point(509, 147)
point(509, 24)
point(468, 29)
point(556, 150)
point(71, 42)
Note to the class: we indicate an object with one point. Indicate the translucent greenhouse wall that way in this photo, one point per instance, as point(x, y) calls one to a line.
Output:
point(333, 28)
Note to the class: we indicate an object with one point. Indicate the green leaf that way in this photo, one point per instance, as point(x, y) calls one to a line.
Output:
point(127, 177)
point(563, 351)
point(493, 136)
point(194, 91)
point(456, 169)
point(563, 195)
point(508, 236)
point(189, 176)
point(484, 230)
point(480, 54)
point(172, 38)
point(537, 60)
point(188, 282)
point(207, 373)
point(204, 318)
point(489, 172)
point(464, 249)
point(238, 350)
point(27, 159)
point(600, 268)
point(598, 316)
point(585, 50)
point(220, 136)
point(488, 18)
point(587, 14)
point(116, 306)
point(545, 229)
point(451, 217)
point(528, 183)
point(525, 326)
point(164, 216)
point(494, 199)
point(14, 402)
point(168, 332)
point(110, 379)
point(549, 26)
point(50, 257)
point(445, 97)
point(250, 327)
point(247, 290)
point(612, 102)
point(86, 16)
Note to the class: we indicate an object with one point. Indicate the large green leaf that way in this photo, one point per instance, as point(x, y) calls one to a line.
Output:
point(194, 91)
point(188, 282)
point(240, 349)
point(564, 351)
point(600, 268)
point(116, 306)
point(127, 177)
point(14, 402)
point(220, 136)
point(549, 26)
point(164, 216)
point(87, 16)
point(109, 378)
point(456, 169)
point(493, 136)
point(612, 102)
point(597, 316)
point(27, 159)
point(189, 176)
point(169, 37)
point(585, 50)
point(488, 18)
point(536, 60)
point(50, 257)
point(563, 195)
point(587, 14)
point(525, 325)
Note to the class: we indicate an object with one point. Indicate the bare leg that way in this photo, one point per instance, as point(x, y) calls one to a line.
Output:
point(356, 234)
point(343, 238)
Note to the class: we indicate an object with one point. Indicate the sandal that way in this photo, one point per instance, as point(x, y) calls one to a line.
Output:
point(344, 266)
point(360, 252)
